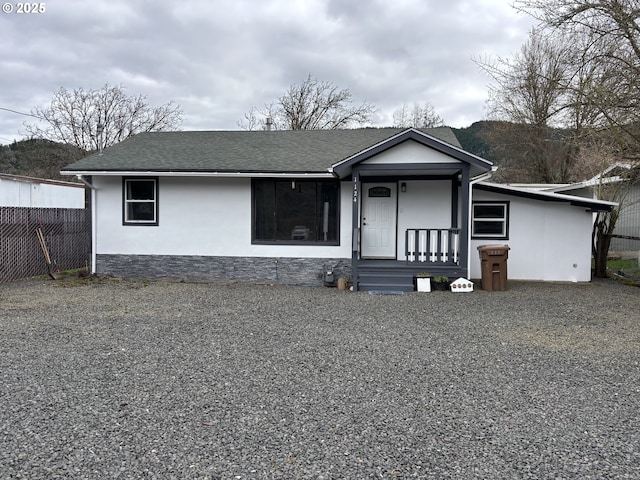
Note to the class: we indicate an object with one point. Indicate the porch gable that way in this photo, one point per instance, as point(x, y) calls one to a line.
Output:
point(445, 154)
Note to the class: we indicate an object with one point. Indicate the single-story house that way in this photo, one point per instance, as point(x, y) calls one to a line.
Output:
point(372, 205)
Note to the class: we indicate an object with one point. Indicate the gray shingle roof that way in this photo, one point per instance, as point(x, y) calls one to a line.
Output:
point(306, 151)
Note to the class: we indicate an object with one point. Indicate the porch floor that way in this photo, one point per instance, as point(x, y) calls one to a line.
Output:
point(398, 275)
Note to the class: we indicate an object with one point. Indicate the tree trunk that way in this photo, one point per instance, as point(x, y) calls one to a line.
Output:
point(601, 253)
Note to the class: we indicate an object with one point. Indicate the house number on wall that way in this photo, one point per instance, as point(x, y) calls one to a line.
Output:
point(355, 189)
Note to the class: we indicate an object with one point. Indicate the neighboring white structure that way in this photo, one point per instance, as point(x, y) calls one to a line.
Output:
point(376, 205)
point(21, 191)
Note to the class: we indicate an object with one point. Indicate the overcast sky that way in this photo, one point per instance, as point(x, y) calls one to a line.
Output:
point(218, 58)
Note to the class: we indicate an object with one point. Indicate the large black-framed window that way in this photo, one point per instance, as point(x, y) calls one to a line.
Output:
point(140, 201)
point(296, 212)
point(490, 220)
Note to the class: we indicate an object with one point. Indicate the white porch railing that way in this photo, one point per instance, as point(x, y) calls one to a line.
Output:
point(430, 245)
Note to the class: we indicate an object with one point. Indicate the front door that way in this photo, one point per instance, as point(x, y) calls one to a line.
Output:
point(378, 238)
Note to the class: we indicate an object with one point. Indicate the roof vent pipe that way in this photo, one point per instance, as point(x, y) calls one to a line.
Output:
point(100, 130)
point(269, 124)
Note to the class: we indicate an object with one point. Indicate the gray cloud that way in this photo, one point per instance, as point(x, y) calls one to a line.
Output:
point(217, 59)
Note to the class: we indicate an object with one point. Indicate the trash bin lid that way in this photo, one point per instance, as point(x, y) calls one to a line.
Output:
point(494, 249)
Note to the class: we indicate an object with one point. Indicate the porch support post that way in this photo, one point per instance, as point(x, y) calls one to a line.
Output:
point(355, 224)
point(455, 195)
point(465, 208)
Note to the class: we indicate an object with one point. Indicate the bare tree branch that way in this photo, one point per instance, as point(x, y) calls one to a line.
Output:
point(529, 95)
point(72, 117)
point(607, 34)
point(418, 116)
point(312, 105)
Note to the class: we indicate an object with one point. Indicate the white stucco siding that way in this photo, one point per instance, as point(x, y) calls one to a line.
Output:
point(199, 216)
point(410, 152)
point(548, 241)
point(18, 193)
point(425, 204)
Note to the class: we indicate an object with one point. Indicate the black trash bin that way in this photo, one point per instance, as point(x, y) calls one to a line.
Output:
point(493, 263)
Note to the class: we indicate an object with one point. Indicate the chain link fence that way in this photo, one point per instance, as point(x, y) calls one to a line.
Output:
point(67, 235)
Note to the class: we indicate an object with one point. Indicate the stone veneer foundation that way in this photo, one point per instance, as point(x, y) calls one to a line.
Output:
point(204, 268)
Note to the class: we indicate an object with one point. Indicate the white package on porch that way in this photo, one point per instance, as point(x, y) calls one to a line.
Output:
point(426, 248)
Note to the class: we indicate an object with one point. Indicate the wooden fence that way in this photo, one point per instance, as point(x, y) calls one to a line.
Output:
point(67, 235)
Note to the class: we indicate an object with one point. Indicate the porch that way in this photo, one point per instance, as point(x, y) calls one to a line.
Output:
point(436, 251)
point(410, 210)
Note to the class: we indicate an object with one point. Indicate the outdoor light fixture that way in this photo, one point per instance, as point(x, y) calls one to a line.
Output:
point(403, 187)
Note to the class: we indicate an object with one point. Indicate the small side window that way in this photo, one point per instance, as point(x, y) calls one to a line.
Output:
point(140, 201)
point(490, 220)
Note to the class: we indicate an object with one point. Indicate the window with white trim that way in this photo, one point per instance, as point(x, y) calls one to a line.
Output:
point(490, 220)
point(140, 201)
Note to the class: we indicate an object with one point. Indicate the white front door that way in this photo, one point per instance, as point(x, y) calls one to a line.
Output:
point(378, 222)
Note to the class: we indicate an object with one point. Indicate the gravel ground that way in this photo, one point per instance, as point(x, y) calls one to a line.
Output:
point(153, 380)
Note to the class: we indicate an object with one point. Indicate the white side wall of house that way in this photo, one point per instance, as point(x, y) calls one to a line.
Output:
point(21, 193)
point(549, 241)
point(200, 216)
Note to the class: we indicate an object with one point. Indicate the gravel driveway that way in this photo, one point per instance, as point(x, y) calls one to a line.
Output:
point(133, 380)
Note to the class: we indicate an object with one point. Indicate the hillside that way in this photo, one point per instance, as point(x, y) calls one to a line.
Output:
point(38, 158)
point(474, 139)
